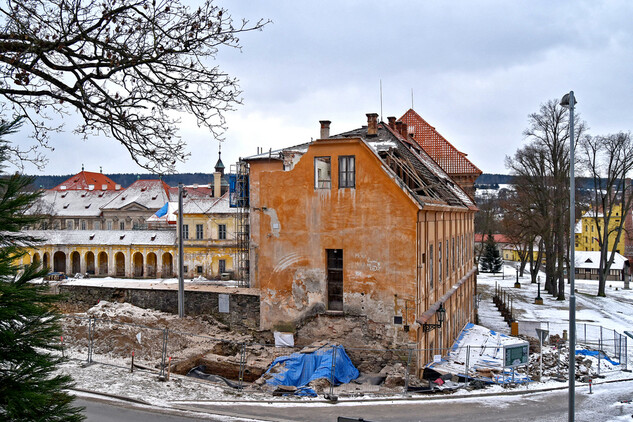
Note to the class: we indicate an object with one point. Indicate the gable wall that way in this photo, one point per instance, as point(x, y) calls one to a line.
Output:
point(292, 225)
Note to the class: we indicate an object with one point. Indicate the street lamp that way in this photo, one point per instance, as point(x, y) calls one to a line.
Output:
point(441, 313)
point(569, 101)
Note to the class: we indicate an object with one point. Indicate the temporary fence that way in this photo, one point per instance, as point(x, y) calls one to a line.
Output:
point(607, 343)
point(239, 364)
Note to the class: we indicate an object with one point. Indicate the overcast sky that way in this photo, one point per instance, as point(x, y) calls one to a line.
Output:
point(476, 68)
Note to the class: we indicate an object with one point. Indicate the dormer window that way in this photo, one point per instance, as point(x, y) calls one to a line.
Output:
point(66, 206)
point(154, 197)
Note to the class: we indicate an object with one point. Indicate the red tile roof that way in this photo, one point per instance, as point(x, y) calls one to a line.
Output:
point(499, 238)
point(83, 180)
point(453, 161)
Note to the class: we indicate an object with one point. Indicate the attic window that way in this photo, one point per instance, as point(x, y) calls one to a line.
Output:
point(66, 206)
point(123, 198)
point(153, 237)
point(101, 195)
point(589, 261)
point(92, 236)
point(88, 206)
point(121, 237)
point(143, 189)
point(83, 195)
point(64, 194)
point(154, 197)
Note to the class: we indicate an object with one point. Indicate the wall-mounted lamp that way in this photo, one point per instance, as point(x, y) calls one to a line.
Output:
point(441, 314)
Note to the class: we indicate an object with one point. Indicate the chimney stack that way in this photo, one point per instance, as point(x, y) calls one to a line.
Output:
point(372, 124)
point(398, 127)
point(325, 129)
point(392, 122)
point(404, 129)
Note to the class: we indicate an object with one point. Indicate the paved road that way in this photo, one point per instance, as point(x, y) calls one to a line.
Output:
point(108, 411)
point(601, 406)
point(550, 406)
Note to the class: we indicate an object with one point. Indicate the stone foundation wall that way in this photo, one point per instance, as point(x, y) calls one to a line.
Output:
point(243, 309)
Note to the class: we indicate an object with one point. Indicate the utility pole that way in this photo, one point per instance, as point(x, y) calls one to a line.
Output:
point(181, 257)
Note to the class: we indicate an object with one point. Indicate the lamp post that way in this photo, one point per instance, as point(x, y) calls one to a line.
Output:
point(568, 101)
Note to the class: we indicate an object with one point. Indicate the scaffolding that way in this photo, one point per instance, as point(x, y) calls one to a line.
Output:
point(239, 200)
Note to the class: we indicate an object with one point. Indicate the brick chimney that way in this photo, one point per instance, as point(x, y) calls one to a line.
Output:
point(398, 127)
point(372, 124)
point(392, 122)
point(325, 129)
point(403, 130)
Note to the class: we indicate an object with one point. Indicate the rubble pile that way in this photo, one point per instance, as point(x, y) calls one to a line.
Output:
point(556, 363)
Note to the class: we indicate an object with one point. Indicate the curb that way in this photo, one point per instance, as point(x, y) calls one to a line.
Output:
point(407, 398)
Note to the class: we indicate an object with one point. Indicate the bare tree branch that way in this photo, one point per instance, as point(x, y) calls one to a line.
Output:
point(128, 67)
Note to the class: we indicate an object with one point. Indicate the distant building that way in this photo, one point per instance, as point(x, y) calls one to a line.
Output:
point(587, 232)
point(588, 262)
point(115, 231)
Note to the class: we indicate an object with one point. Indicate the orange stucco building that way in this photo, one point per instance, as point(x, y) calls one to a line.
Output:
point(362, 224)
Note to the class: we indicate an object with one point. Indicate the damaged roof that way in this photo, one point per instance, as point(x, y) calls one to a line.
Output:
point(417, 171)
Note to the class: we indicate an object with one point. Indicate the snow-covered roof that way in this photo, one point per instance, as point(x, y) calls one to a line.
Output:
point(591, 260)
point(151, 194)
point(72, 203)
point(578, 227)
point(105, 237)
point(193, 204)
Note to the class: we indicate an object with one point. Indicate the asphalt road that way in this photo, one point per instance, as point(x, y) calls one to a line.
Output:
point(605, 404)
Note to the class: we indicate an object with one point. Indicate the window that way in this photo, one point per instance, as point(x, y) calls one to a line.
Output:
point(448, 267)
point(439, 263)
point(199, 269)
point(199, 231)
point(185, 231)
point(96, 225)
point(185, 268)
point(122, 225)
point(83, 224)
point(222, 266)
point(109, 225)
point(69, 224)
point(322, 173)
point(222, 231)
point(431, 266)
point(346, 171)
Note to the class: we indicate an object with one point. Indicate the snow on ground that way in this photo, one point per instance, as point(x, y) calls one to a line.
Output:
point(145, 283)
point(613, 312)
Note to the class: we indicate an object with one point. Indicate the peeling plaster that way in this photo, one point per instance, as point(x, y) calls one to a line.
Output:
point(275, 226)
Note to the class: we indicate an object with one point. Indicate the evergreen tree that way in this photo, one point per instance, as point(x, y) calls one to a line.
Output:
point(29, 325)
point(490, 261)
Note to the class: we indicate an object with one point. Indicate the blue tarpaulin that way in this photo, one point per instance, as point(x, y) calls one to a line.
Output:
point(596, 353)
point(299, 369)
